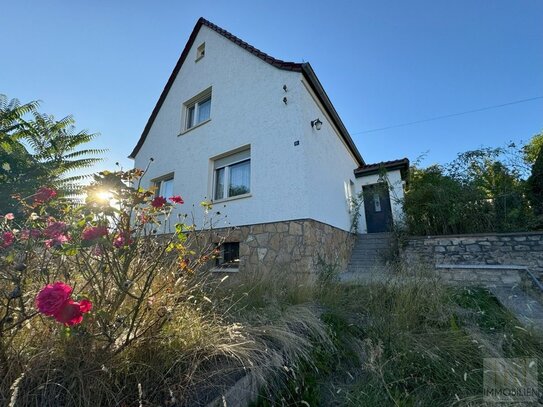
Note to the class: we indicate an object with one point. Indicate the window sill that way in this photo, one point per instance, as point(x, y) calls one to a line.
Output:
point(199, 58)
point(194, 127)
point(224, 270)
point(232, 198)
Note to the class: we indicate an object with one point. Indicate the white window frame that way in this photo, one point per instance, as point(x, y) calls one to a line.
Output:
point(226, 183)
point(159, 182)
point(195, 103)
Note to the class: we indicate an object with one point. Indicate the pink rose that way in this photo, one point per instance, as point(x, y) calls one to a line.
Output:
point(9, 216)
point(57, 241)
point(55, 229)
point(72, 312)
point(44, 194)
point(30, 234)
point(122, 239)
point(94, 232)
point(53, 297)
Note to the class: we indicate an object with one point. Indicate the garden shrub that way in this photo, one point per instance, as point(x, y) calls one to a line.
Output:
point(93, 305)
point(99, 307)
point(480, 191)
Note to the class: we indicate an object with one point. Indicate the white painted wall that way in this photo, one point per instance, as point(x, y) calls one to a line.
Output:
point(246, 108)
point(329, 164)
point(396, 192)
point(287, 181)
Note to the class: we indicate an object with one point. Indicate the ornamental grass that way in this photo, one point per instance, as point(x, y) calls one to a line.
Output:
point(99, 308)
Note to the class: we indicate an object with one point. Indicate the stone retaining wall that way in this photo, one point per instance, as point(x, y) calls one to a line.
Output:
point(519, 249)
point(291, 245)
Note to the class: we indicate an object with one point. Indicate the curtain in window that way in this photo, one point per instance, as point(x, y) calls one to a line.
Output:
point(240, 178)
point(219, 183)
point(166, 188)
point(204, 110)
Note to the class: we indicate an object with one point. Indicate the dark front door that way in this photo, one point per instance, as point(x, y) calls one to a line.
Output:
point(377, 208)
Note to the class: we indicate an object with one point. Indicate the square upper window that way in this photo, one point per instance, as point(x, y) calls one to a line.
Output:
point(232, 175)
point(198, 110)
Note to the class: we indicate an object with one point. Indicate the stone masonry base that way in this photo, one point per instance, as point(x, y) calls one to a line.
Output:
point(295, 245)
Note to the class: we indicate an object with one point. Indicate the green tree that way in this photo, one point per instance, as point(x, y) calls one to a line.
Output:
point(535, 187)
point(532, 148)
point(436, 204)
point(37, 150)
point(481, 190)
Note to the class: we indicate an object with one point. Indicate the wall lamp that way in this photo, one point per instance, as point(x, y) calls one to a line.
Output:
point(316, 123)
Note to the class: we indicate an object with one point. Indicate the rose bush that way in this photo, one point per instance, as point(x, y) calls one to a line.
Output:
point(96, 276)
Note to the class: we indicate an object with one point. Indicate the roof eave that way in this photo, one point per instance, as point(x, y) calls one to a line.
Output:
point(167, 87)
point(401, 165)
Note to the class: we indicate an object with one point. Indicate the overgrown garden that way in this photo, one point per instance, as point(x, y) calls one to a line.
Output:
point(484, 190)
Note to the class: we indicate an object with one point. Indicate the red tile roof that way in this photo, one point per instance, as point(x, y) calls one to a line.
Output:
point(304, 68)
point(288, 66)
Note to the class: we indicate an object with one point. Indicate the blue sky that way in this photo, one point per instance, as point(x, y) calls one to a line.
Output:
point(381, 62)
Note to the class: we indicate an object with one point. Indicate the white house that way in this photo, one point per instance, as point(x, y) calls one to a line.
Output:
point(260, 138)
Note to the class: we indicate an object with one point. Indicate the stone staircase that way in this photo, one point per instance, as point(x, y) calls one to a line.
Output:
point(368, 252)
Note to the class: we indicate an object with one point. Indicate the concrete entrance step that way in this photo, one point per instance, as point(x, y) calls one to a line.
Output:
point(367, 254)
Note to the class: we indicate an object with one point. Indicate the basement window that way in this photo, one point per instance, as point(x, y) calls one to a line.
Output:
point(200, 51)
point(228, 259)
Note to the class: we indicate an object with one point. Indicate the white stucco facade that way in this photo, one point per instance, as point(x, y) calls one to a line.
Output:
point(297, 172)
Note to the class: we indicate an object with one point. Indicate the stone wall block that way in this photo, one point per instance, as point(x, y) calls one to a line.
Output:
point(295, 228)
point(485, 249)
point(520, 248)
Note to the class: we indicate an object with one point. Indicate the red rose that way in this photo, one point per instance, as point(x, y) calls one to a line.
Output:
point(177, 199)
point(54, 300)
point(53, 297)
point(7, 239)
point(158, 202)
point(72, 312)
point(94, 232)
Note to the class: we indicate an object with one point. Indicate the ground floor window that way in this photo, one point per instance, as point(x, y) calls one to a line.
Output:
point(232, 175)
point(164, 185)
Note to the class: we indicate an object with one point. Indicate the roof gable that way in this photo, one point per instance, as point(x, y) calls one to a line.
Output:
point(303, 68)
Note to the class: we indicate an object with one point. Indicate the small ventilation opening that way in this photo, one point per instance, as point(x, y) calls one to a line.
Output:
point(201, 51)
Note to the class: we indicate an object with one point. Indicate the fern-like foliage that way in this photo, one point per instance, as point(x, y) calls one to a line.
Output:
point(37, 150)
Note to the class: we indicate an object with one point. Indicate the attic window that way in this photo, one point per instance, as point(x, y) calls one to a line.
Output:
point(200, 51)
